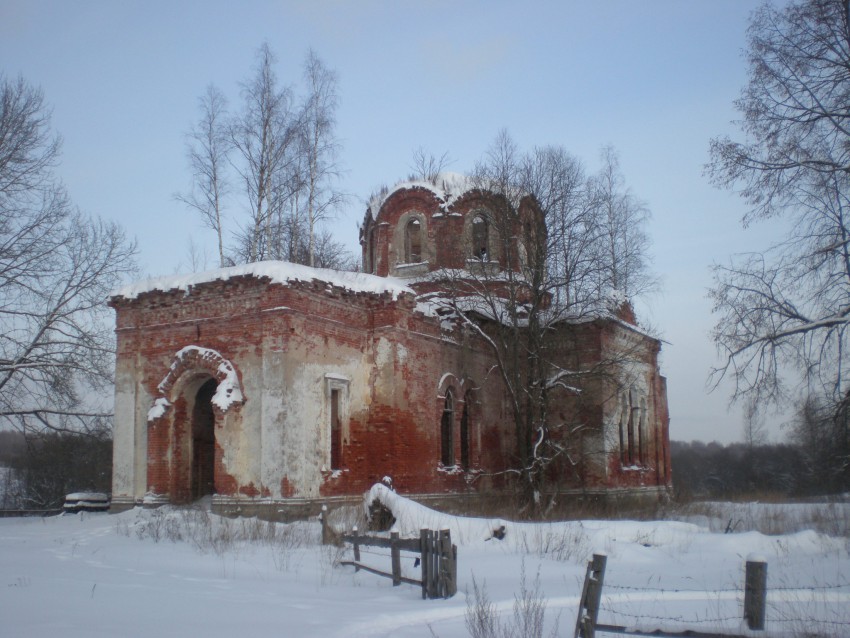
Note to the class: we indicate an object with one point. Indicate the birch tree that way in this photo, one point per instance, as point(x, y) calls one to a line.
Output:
point(208, 147)
point(622, 222)
point(319, 147)
point(263, 135)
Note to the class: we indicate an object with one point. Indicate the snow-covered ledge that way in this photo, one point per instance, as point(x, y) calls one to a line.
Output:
point(227, 394)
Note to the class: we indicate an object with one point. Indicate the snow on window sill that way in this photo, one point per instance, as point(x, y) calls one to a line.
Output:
point(411, 269)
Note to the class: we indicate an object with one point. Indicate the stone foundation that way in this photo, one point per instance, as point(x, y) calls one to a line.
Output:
point(567, 504)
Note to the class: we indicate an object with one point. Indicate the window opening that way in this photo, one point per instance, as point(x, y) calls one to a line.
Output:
point(446, 438)
point(633, 441)
point(413, 241)
point(464, 433)
point(336, 432)
point(633, 424)
point(370, 251)
point(624, 418)
point(480, 238)
point(336, 396)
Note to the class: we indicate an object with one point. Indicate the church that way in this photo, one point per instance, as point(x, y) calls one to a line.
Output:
point(275, 388)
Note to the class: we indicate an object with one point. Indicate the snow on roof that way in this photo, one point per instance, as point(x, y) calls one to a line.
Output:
point(279, 272)
point(447, 187)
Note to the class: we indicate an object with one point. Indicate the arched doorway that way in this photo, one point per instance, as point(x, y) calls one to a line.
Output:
point(203, 441)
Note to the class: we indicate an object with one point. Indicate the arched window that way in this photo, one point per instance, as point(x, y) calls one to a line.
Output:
point(624, 420)
point(480, 238)
point(413, 241)
point(634, 419)
point(370, 251)
point(465, 418)
point(633, 441)
point(447, 452)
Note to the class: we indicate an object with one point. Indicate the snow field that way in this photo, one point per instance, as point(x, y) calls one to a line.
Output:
point(178, 572)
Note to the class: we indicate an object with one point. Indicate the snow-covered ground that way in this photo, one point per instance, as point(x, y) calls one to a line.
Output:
point(171, 572)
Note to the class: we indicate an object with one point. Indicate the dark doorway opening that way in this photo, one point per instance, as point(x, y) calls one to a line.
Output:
point(203, 441)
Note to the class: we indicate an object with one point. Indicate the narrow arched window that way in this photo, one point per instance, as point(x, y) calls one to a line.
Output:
point(624, 420)
point(480, 238)
point(464, 430)
point(634, 421)
point(446, 430)
point(413, 241)
point(370, 251)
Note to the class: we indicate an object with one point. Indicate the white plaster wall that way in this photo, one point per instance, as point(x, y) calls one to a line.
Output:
point(143, 403)
point(239, 434)
point(294, 418)
point(124, 468)
point(272, 419)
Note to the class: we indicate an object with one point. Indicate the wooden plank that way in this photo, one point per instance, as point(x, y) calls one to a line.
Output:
point(404, 544)
point(445, 583)
point(378, 572)
point(424, 543)
point(395, 559)
point(14, 513)
point(581, 631)
point(591, 595)
point(755, 593)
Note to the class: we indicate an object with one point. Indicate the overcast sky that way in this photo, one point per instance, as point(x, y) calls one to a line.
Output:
point(656, 79)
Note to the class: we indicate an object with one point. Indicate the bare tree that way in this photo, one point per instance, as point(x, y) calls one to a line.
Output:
point(755, 433)
point(821, 434)
point(784, 312)
point(208, 147)
point(285, 164)
point(622, 220)
point(427, 166)
point(263, 135)
point(527, 288)
point(319, 146)
point(56, 268)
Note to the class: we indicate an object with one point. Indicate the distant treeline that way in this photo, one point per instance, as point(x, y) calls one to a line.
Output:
point(711, 470)
point(44, 468)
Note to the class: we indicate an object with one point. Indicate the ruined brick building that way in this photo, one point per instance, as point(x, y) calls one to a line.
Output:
point(275, 387)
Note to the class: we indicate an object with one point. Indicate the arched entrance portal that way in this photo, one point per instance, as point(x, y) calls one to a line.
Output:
point(203, 441)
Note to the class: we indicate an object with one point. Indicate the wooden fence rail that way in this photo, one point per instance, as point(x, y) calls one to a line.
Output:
point(438, 558)
point(12, 513)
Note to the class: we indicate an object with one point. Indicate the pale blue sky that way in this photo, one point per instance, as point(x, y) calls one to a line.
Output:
point(655, 78)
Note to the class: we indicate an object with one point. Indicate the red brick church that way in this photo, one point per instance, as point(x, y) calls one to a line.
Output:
point(275, 387)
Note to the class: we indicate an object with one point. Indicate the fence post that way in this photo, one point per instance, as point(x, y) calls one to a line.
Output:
point(755, 592)
point(325, 531)
point(425, 549)
point(451, 560)
point(356, 548)
point(448, 579)
point(591, 597)
point(395, 555)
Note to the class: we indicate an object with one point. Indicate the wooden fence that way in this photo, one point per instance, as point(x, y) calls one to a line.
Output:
point(755, 602)
point(11, 513)
point(437, 556)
